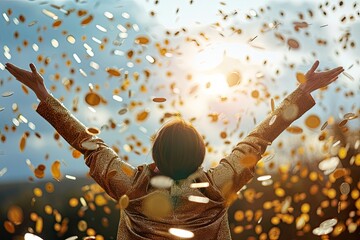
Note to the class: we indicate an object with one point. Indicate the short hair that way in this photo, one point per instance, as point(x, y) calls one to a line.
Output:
point(178, 149)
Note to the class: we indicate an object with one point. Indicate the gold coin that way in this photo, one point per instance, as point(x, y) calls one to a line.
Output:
point(92, 99)
point(87, 20)
point(343, 123)
point(113, 72)
point(7, 94)
point(142, 115)
point(338, 173)
point(312, 121)
point(142, 40)
point(122, 111)
point(294, 129)
point(157, 205)
point(233, 79)
point(9, 227)
point(15, 214)
point(159, 99)
point(55, 170)
point(57, 23)
point(300, 77)
point(293, 43)
point(255, 94)
point(22, 143)
point(93, 131)
point(350, 116)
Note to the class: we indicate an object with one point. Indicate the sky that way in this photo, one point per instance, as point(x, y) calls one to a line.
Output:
point(193, 47)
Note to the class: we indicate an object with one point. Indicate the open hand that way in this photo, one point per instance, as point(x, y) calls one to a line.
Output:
point(31, 79)
point(316, 80)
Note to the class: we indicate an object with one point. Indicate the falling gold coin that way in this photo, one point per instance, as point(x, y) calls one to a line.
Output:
point(55, 170)
point(93, 131)
point(294, 129)
point(157, 205)
point(92, 99)
point(142, 116)
point(301, 24)
point(293, 43)
point(113, 72)
point(7, 94)
point(9, 226)
point(312, 121)
point(15, 214)
point(161, 182)
point(300, 77)
point(255, 94)
point(324, 125)
point(39, 173)
point(272, 103)
point(71, 39)
point(122, 111)
point(22, 143)
point(233, 79)
point(100, 200)
point(87, 20)
point(339, 172)
point(350, 116)
point(343, 123)
point(181, 233)
point(57, 23)
point(159, 99)
point(345, 188)
point(142, 40)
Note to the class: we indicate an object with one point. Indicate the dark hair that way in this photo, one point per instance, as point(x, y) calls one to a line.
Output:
point(178, 149)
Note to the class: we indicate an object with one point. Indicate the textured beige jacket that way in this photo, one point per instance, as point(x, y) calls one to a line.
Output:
point(204, 220)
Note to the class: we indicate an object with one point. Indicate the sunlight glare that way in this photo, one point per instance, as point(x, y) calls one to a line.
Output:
point(209, 58)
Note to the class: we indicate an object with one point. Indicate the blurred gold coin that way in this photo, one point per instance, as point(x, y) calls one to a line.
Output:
point(293, 43)
point(142, 40)
point(15, 214)
point(312, 121)
point(92, 99)
point(87, 20)
point(159, 99)
point(300, 77)
point(55, 170)
point(9, 227)
point(113, 72)
point(142, 116)
point(157, 205)
point(294, 129)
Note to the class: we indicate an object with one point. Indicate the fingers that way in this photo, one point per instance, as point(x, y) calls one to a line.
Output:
point(13, 72)
point(334, 79)
point(11, 66)
point(336, 72)
point(331, 73)
point(33, 68)
point(314, 66)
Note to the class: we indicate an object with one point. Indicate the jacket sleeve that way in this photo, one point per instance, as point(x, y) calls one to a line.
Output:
point(235, 170)
point(106, 168)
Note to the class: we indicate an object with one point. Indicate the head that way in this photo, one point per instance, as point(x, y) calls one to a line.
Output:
point(178, 149)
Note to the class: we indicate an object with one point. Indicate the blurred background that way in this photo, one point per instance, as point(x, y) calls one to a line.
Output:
point(125, 67)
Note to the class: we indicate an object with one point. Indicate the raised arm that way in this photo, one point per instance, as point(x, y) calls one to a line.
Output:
point(108, 170)
point(235, 170)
